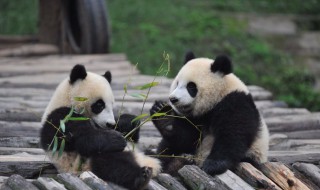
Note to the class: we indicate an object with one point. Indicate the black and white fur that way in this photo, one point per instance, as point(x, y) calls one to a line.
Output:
point(223, 126)
point(93, 144)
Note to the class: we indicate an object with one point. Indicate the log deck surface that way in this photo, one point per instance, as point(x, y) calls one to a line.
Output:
point(26, 85)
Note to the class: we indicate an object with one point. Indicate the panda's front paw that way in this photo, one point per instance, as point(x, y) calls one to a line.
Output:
point(125, 125)
point(215, 167)
point(163, 123)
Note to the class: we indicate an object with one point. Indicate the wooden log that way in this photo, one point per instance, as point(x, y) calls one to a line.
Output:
point(232, 181)
point(4, 187)
point(282, 176)
point(155, 186)
point(290, 157)
point(20, 116)
point(20, 142)
point(71, 182)
point(294, 123)
point(196, 179)
point(45, 183)
point(276, 112)
point(265, 104)
point(30, 50)
point(94, 182)
point(307, 134)
point(20, 129)
point(310, 171)
point(17, 182)
point(13, 150)
point(169, 182)
point(297, 144)
point(261, 95)
point(254, 177)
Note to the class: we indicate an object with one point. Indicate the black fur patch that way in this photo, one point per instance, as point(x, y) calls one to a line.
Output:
point(192, 89)
point(108, 76)
point(98, 106)
point(77, 72)
point(222, 64)
point(189, 55)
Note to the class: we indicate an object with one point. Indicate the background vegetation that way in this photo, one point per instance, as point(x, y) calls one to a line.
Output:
point(144, 29)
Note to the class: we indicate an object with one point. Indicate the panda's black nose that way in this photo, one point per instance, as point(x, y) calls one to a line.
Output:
point(173, 100)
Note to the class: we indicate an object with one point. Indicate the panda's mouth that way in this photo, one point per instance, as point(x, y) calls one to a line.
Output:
point(184, 109)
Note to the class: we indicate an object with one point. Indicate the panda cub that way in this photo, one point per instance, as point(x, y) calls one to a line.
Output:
point(94, 144)
point(214, 119)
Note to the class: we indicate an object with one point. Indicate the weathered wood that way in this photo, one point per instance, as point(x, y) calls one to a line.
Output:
point(265, 104)
point(20, 129)
point(71, 182)
point(20, 116)
point(13, 150)
point(290, 157)
point(169, 182)
point(30, 50)
point(254, 177)
point(232, 181)
point(17, 182)
point(94, 182)
point(196, 179)
point(308, 134)
point(294, 123)
point(282, 176)
point(4, 187)
point(297, 144)
point(261, 95)
point(275, 112)
point(310, 171)
point(20, 142)
point(155, 186)
point(45, 183)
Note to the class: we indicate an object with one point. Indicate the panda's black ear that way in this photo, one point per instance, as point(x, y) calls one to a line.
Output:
point(108, 76)
point(77, 72)
point(222, 64)
point(189, 55)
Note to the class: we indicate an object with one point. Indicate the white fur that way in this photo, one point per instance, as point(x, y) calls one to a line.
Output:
point(143, 160)
point(212, 88)
point(93, 87)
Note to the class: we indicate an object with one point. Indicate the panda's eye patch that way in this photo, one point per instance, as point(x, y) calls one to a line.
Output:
point(98, 106)
point(192, 89)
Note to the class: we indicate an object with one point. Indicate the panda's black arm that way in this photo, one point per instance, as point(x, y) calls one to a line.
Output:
point(124, 126)
point(94, 142)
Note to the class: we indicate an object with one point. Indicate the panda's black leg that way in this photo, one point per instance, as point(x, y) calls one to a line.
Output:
point(125, 170)
point(162, 123)
point(93, 142)
point(125, 125)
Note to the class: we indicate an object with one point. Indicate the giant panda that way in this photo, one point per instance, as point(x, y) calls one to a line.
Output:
point(94, 144)
point(211, 116)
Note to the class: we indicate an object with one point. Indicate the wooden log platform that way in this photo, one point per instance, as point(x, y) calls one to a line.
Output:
point(27, 83)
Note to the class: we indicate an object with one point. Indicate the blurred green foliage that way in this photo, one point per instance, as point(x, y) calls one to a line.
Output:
point(144, 29)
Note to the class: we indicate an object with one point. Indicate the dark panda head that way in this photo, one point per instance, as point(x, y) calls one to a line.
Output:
point(201, 83)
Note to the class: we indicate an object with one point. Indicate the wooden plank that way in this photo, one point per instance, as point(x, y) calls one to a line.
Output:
point(232, 181)
point(307, 134)
point(45, 183)
point(196, 179)
point(20, 142)
point(276, 112)
point(297, 144)
point(18, 182)
point(265, 104)
point(254, 177)
point(20, 129)
point(261, 95)
point(13, 150)
point(155, 186)
point(282, 176)
point(29, 50)
point(21, 116)
point(290, 157)
point(71, 182)
point(94, 182)
point(310, 171)
point(294, 123)
point(169, 182)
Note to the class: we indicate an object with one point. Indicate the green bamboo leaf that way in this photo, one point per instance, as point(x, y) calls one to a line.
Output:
point(61, 149)
point(125, 87)
point(139, 117)
point(78, 118)
point(69, 114)
point(158, 114)
point(80, 99)
point(146, 86)
point(139, 95)
point(55, 145)
point(62, 126)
